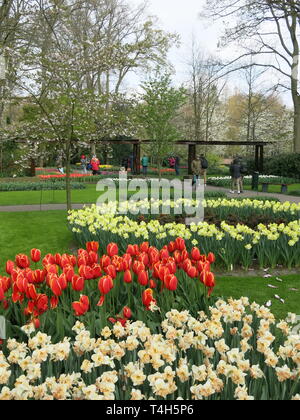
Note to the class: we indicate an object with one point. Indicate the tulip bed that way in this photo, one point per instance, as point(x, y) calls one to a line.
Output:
point(235, 351)
point(52, 291)
point(266, 245)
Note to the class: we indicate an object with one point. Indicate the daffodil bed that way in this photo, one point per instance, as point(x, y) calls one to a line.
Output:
point(235, 351)
point(266, 245)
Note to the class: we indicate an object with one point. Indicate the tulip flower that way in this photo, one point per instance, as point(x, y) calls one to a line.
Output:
point(49, 259)
point(21, 283)
point(31, 292)
point(77, 283)
point(1, 293)
point(127, 312)
point(69, 272)
point(143, 278)
point(192, 272)
point(96, 271)
point(57, 259)
point(171, 282)
point(54, 302)
point(112, 249)
point(22, 261)
point(211, 258)
point(10, 265)
point(152, 284)
point(86, 272)
point(81, 307)
point(180, 244)
point(105, 261)
point(147, 298)
point(35, 255)
point(93, 258)
point(41, 303)
point(105, 285)
point(137, 267)
point(36, 322)
point(127, 276)
point(111, 271)
point(144, 247)
point(195, 254)
point(127, 262)
point(164, 254)
point(39, 276)
point(172, 247)
point(92, 246)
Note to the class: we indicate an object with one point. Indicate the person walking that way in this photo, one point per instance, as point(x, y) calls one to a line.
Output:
point(204, 167)
point(95, 162)
point(236, 176)
point(177, 166)
point(196, 170)
point(145, 164)
point(84, 162)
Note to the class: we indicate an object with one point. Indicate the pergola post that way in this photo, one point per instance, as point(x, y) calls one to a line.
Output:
point(137, 158)
point(261, 159)
point(192, 156)
point(257, 158)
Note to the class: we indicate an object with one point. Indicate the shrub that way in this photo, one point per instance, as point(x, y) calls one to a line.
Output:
point(287, 165)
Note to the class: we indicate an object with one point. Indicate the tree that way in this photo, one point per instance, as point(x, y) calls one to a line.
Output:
point(160, 104)
point(265, 28)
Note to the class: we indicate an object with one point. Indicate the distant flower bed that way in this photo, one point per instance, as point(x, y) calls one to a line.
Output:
point(39, 185)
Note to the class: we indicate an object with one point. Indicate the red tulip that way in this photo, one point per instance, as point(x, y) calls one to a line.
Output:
point(77, 283)
point(143, 278)
point(195, 254)
point(211, 258)
point(5, 283)
point(39, 276)
point(147, 298)
point(171, 265)
point(57, 259)
point(41, 303)
point(31, 292)
point(69, 272)
point(180, 244)
point(21, 283)
point(127, 262)
point(92, 246)
point(65, 260)
point(144, 258)
point(127, 276)
point(49, 259)
point(111, 271)
point(22, 261)
point(5, 304)
point(137, 267)
point(1, 293)
point(97, 271)
point(82, 306)
point(35, 255)
point(105, 285)
point(152, 284)
point(58, 284)
point(164, 254)
point(86, 272)
point(105, 261)
point(144, 247)
point(127, 312)
point(54, 302)
point(192, 272)
point(153, 255)
point(171, 282)
point(10, 265)
point(112, 249)
point(36, 322)
point(171, 247)
point(93, 257)
point(131, 250)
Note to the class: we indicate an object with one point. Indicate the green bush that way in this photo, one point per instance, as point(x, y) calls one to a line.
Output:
point(285, 165)
point(38, 186)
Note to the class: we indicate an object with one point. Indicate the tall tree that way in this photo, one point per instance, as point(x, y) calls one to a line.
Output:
point(265, 28)
point(160, 105)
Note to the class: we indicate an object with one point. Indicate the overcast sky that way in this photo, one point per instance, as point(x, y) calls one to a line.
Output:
point(182, 16)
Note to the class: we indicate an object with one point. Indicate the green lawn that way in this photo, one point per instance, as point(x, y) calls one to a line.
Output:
point(20, 232)
point(256, 288)
point(277, 188)
point(48, 231)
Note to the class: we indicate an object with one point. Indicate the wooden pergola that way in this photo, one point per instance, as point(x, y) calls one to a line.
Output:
point(192, 150)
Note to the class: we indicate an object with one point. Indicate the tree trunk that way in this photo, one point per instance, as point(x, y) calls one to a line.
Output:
point(297, 124)
point(68, 179)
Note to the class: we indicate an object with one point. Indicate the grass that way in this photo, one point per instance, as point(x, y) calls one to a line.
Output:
point(256, 288)
point(20, 232)
point(276, 188)
point(48, 231)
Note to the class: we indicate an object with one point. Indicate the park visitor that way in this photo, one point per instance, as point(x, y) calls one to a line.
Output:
point(204, 167)
point(236, 176)
point(95, 165)
point(84, 163)
point(145, 163)
point(196, 170)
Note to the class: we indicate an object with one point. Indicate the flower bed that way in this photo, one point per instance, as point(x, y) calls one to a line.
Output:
point(54, 290)
point(236, 351)
point(271, 244)
point(39, 185)
point(225, 181)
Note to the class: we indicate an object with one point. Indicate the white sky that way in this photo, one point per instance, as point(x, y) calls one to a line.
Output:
point(182, 17)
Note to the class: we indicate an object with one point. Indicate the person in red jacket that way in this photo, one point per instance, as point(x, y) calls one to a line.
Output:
point(95, 162)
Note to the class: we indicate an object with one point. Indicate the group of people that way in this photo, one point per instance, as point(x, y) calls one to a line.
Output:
point(90, 165)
